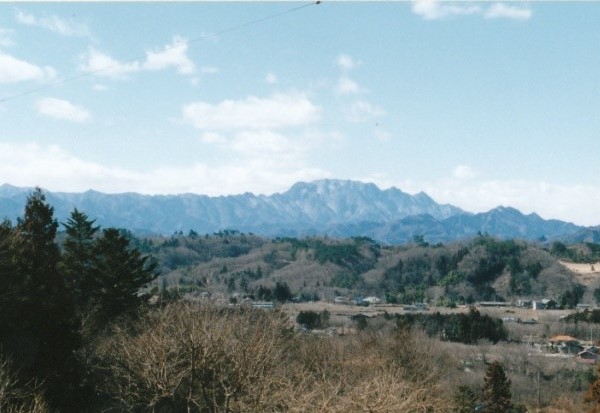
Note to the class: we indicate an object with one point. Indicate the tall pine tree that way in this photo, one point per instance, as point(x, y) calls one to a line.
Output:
point(495, 393)
point(77, 259)
point(41, 336)
point(11, 289)
point(119, 271)
point(465, 399)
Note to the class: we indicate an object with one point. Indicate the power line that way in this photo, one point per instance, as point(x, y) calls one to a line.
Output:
point(171, 47)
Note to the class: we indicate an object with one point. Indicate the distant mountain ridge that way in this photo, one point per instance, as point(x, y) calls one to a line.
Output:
point(331, 207)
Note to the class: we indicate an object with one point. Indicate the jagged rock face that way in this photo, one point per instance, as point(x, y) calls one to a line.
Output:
point(332, 207)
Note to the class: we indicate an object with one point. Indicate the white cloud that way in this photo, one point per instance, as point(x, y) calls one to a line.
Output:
point(211, 137)
point(361, 111)
point(435, 9)
point(271, 79)
point(6, 37)
point(62, 109)
point(438, 10)
point(274, 112)
point(103, 65)
point(258, 144)
point(346, 62)
point(53, 23)
point(259, 176)
point(173, 55)
point(14, 70)
point(464, 172)
point(51, 167)
point(347, 86)
point(100, 88)
point(574, 203)
point(500, 10)
point(55, 169)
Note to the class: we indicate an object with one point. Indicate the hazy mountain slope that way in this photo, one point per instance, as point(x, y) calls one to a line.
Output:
point(508, 223)
point(591, 234)
point(502, 222)
point(303, 206)
point(333, 207)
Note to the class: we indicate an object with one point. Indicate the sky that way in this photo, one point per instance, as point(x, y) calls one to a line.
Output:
point(478, 104)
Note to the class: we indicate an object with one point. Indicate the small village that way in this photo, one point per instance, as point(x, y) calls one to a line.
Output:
point(344, 313)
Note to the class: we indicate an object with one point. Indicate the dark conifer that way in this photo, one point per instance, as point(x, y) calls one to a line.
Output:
point(465, 399)
point(77, 259)
point(119, 272)
point(495, 395)
point(41, 337)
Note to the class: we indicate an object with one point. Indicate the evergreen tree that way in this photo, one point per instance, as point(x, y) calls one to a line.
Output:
point(495, 393)
point(593, 394)
point(78, 257)
point(40, 335)
point(11, 288)
point(465, 399)
point(282, 292)
point(118, 273)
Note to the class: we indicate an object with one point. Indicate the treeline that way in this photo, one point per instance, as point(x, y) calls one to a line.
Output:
point(587, 252)
point(585, 316)
point(181, 250)
point(56, 299)
point(467, 328)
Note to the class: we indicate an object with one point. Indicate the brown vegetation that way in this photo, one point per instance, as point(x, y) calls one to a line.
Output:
point(209, 359)
point(17, 396)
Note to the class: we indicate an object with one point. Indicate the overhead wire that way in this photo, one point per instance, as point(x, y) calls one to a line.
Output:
point(171, 47)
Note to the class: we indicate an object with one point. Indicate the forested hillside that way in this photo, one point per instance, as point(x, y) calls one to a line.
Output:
point(482, 269)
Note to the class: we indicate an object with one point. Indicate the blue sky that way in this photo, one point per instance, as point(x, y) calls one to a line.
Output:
point(479, 104)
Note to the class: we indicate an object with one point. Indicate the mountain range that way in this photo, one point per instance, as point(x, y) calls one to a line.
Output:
point(336, 208)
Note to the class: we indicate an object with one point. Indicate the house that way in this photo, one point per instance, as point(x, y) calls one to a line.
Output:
point(341, 300)
point(586, 356)
point(372, 300)
point(544, 304)
point(494, 304)
point(416, 307)
point(566, 344)
point(562, 339)
point(263, 304)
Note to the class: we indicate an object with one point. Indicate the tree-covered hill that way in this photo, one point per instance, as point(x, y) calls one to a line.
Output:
point(481, 269)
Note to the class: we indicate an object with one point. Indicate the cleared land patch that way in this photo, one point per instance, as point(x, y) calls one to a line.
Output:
point(586, 273)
